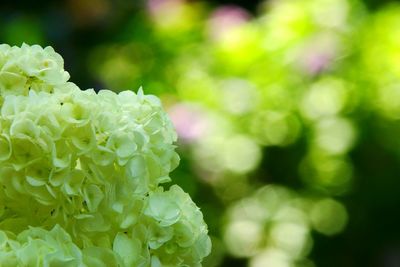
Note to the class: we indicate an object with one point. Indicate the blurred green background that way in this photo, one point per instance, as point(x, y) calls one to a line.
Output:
point(287, 111)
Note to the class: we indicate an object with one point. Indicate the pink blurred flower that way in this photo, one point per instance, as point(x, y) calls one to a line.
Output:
point(226, 18)
point(319, 53)
point(163, 8)
point(189, 123)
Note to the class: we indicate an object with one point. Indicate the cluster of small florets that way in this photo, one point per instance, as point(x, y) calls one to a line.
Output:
point(30, 68)
point(80, 173)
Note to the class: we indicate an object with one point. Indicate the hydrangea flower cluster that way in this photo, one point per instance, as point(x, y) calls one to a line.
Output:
point(81, 173)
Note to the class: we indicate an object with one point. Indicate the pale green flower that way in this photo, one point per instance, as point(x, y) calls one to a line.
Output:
point(189, 242)
point(127, 248)
point(163, 209)
point(38, 247)
point(30, 68)
point(5, 147)
point(90, 167)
